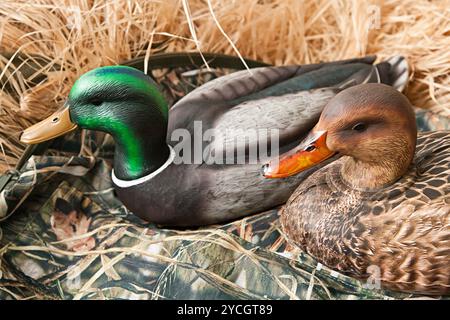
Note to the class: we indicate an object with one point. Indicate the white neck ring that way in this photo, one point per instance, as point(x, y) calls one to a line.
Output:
point(130, 183)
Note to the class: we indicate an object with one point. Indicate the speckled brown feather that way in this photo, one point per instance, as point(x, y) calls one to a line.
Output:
point(404, 229)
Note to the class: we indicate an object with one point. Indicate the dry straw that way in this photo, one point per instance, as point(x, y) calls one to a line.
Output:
point(78, 35)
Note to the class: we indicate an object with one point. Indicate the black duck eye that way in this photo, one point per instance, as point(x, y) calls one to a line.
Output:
point(359, 127)
point(310, 148)
point(96, 102)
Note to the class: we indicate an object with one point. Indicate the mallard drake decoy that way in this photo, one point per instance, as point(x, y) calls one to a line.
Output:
point(384, 203)
point(126, 103)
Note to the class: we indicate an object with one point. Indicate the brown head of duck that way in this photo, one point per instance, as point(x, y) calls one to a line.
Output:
point(372, 124)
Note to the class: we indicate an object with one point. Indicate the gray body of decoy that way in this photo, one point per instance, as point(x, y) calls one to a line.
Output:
point(289, 99)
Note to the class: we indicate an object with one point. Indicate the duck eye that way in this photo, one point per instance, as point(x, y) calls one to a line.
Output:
point(310, 148)
point(359, 127)
point(96, 102)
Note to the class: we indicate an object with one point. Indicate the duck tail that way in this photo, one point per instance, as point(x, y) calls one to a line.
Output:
point(394, 72)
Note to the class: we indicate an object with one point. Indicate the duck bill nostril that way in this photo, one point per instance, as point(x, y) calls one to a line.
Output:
point(300, 158)
point(54, 126)
point(264, 169)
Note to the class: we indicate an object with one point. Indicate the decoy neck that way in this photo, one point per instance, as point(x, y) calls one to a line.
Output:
point(372, 125)
point(123, 102)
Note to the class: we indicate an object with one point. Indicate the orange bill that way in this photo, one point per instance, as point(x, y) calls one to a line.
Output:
point(310, 152)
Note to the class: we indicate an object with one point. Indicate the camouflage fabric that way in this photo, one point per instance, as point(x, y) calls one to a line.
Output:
point(69, 237)
point(433, 119)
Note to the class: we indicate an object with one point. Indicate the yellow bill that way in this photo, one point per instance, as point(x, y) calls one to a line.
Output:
point(56, 125)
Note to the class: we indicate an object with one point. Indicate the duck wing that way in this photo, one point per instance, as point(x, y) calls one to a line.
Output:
point(411, 221)
point(285, 118)
point(228, 91)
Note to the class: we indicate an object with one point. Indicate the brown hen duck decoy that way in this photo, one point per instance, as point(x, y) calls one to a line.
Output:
point(385, 202)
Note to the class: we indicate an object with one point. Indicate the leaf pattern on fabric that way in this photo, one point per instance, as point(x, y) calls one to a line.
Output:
point(67, 223)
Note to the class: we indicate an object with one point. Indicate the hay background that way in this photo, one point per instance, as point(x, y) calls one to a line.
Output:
point(79, 35)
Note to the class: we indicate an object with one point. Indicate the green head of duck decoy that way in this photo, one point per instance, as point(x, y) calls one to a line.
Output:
point(373, 124)
point(123, 102)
